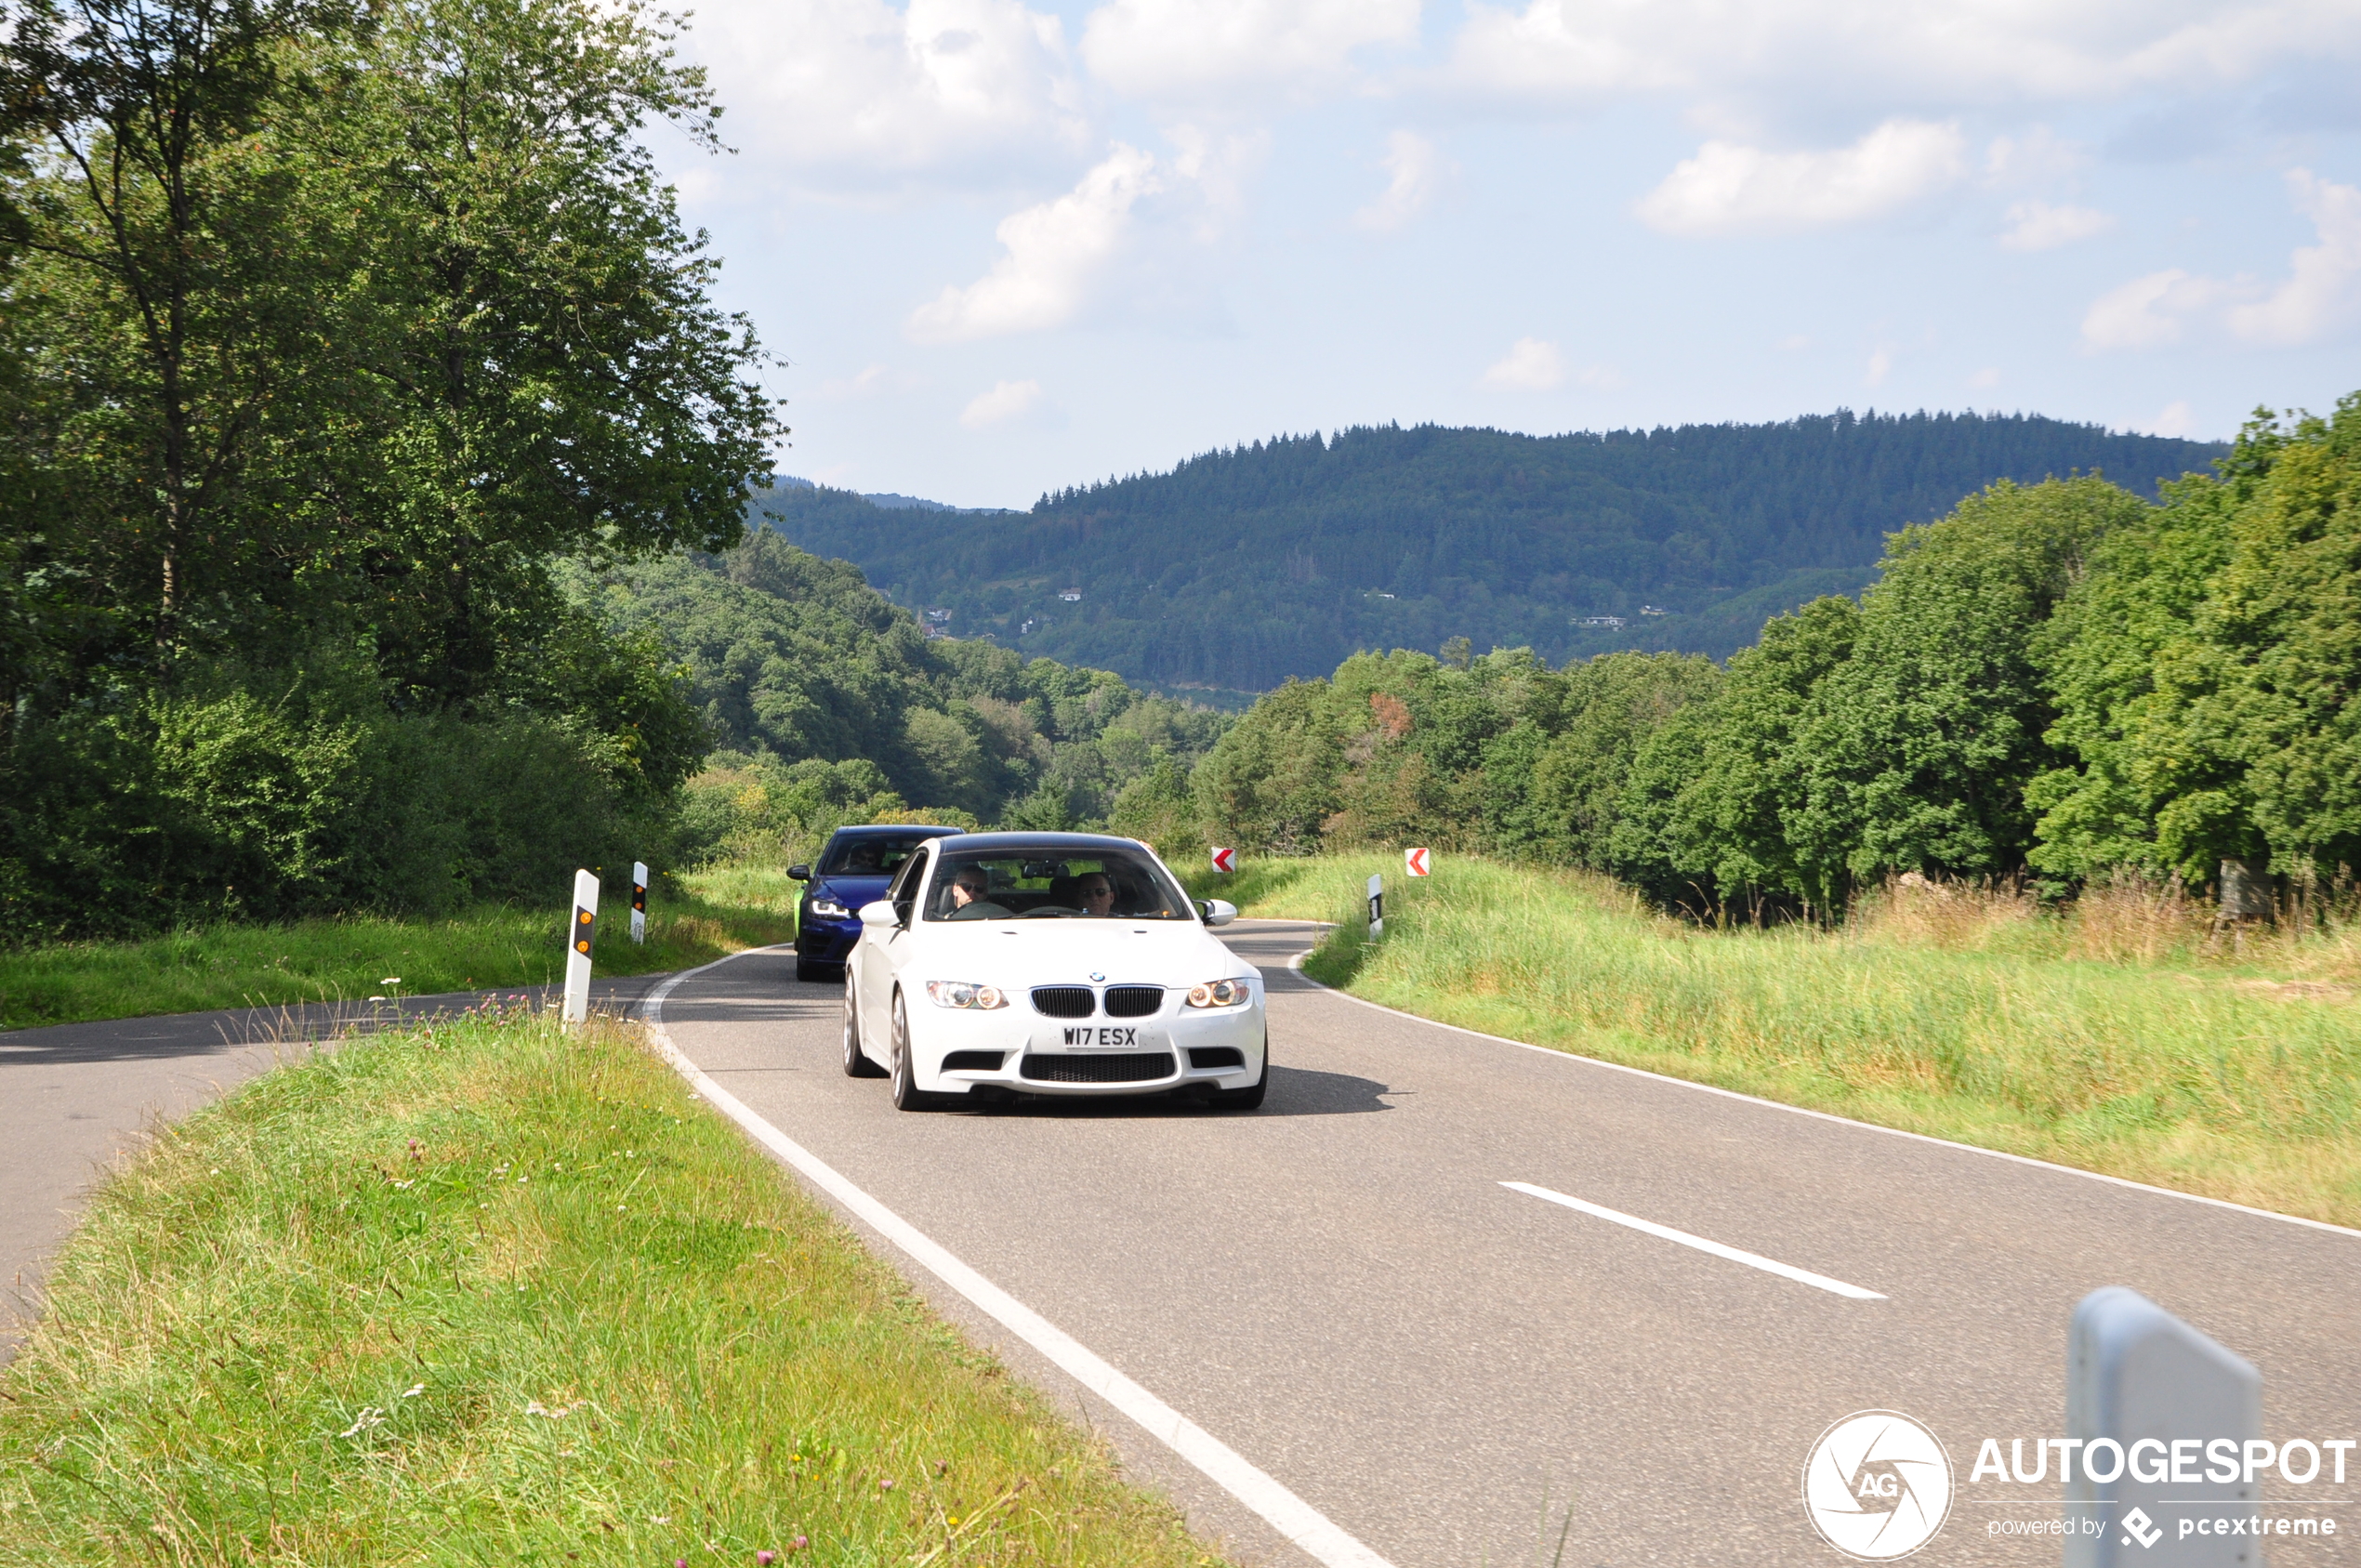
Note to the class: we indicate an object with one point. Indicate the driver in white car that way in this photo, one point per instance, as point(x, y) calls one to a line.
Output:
point(969, 887)
point(1096, 893)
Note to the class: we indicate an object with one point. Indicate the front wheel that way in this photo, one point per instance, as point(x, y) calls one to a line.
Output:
point(907, 1095)
point(856, 1061)
point(1251, 1096)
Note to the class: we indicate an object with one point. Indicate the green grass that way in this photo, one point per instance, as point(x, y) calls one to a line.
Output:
point(347, 960)
point(490, 1293)
point(1968, 1017)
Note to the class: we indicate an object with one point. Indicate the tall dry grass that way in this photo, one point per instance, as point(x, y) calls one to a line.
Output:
point(2315, 936)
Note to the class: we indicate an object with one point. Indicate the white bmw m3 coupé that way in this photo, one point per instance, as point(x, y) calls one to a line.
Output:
point(1000, 964)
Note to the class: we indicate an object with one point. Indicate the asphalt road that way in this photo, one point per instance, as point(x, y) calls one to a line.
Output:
point(75, 1096)
point(1339, 1287)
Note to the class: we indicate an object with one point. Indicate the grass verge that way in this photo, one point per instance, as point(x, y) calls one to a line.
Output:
point(498, 945)
point(2220, 1077)
point(488, 1291)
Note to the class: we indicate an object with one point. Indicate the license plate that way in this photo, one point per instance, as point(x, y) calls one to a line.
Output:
point(1099, 1037)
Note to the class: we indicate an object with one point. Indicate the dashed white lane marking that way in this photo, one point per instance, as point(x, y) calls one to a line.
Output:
point(1736, 1255)
point(1296, 963)
point(1286, 1512)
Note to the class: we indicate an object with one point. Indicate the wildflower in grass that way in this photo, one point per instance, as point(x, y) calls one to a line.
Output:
point(765, 1558)
point(799, 1543)
point(886, 1485)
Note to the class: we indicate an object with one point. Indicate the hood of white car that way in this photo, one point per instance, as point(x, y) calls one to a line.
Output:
point(1016, 953)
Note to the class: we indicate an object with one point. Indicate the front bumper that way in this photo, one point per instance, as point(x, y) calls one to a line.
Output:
point(825, 941)
point(1233, 1037)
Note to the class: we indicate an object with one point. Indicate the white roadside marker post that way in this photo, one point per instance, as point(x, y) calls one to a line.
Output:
point(1377, 907)
point(2151, 1394)
point(639, 901)
point(579, 933)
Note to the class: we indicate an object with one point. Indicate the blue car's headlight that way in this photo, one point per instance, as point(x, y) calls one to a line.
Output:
point(829, 909)
point(960, 994)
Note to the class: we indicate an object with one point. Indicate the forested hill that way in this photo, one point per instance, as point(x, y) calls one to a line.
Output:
point(1241, 567)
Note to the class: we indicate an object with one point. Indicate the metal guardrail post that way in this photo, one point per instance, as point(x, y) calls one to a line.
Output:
point(2150, 1398)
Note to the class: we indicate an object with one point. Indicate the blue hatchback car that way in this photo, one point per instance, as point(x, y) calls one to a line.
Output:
point(854, 870)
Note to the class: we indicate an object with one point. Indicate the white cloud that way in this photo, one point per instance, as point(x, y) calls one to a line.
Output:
point(1727, 188)
point(1056, 252)
point(1770, 58)
point(2176, 419)
point(1531, 366)
point(2037, 157)
point(876, 381)
point(2148, 313)
point(843, 92)
point(2039, 226)
point(1007, 399)
point(1881, 365)
point(2320, 297)
point(1985, 380)
point(1418, 171)
point(1541, 53)
point(2323, 290)
point(1211, 50)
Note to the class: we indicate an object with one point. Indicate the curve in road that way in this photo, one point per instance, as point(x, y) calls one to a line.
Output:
point(1356, 1292)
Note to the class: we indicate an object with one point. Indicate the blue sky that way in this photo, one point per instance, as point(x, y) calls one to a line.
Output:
point(1007, 247)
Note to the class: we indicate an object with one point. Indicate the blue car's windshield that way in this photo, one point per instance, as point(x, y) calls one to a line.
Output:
point(870, 854)
point(1053, 882)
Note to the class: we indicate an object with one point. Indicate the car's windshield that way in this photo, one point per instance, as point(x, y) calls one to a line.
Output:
point(869, 854)
point(1052, 882)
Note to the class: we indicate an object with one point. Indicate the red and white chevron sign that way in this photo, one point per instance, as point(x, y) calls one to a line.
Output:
point(1224, 860)
point(1415, 861)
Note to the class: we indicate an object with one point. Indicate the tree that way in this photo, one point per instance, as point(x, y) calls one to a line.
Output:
point(1916, 751)
point(549, 373)
point(179, 276)
point(1272, 781)
point(1744, 818)
point(2240, 735)
point(2097, 809)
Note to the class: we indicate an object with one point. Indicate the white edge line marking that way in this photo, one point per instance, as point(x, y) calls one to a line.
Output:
point(1736, 1255)
point(1296, 964)
point(1290, 1515)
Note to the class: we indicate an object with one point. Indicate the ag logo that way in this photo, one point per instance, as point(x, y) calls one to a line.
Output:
point(1877, 1485)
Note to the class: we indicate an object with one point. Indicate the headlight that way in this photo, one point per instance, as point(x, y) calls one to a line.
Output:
point(829, 909)
point(1220, 993)
point(960, 994)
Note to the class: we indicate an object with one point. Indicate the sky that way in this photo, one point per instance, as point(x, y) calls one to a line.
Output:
point(998, 248)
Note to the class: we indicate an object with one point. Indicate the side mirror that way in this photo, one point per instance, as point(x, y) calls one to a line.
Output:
point(801, 873)
point(1216, 911)
point(880, 915)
